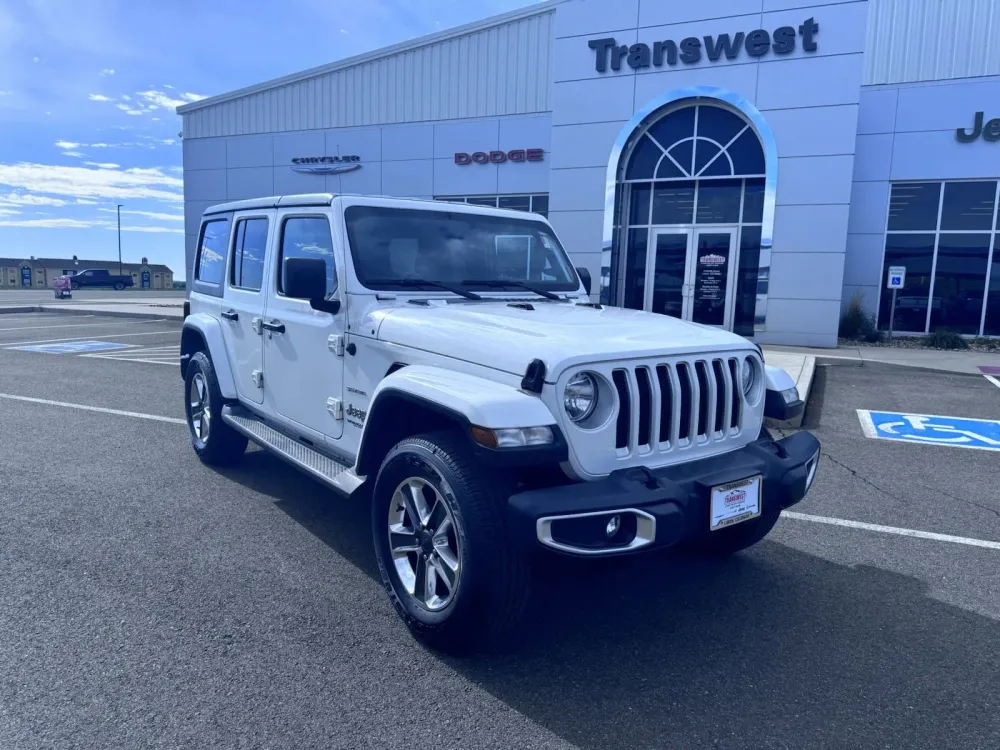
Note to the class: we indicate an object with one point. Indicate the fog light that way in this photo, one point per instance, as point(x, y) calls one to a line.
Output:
point(613, 525)
point(791, 395)
point(813, 465)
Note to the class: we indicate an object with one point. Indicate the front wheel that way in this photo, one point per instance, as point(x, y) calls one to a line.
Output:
point(442, 547)
point(215, 442)
point(74, 286)
point(119, 286)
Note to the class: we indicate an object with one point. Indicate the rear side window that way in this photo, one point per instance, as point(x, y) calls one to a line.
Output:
point(210, 264)
point(248, 254)
point(307, 237)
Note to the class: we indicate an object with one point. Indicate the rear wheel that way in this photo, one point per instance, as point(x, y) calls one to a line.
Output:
point(119, 286)
point(442, 548)
point(215, 442)
point(74, 286)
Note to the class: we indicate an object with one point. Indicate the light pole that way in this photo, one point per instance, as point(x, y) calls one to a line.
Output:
point(119, 239)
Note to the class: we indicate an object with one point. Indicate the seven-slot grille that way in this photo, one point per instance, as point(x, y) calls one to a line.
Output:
point(672, 404)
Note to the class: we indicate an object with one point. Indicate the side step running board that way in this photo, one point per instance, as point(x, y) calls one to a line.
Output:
point(329, 471)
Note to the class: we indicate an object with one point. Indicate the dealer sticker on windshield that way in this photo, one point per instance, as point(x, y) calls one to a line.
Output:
point(735, 502)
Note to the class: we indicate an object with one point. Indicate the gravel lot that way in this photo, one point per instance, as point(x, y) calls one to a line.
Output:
point(149, 601)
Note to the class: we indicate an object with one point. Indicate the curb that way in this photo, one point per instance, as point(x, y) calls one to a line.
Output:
point(136, 314)
point(881, 364)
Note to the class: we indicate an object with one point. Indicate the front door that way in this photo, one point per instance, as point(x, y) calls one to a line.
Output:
point(691, 274)
point(302, 371)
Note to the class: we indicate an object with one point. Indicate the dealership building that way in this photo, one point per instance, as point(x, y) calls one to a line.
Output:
point(751, 164)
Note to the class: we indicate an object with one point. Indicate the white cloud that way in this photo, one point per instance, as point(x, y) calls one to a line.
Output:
point(68, 144)
point(344, 31)
point(155, 119)
point(9, 212)
point(72, 153)
point(99, 98)
point(36, 59)
point(86, 202)
point(26, 199)
point(168, 86)
point(129, 110)
point(84, 182)
point(126, 97)
point(47, 223)
point(102, 164)
point(6, 93)
point(147, 214)
point(160, 99)
point(108, 72)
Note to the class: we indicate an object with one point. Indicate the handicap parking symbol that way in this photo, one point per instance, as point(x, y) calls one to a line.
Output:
point(73, 347)
point(929, 429)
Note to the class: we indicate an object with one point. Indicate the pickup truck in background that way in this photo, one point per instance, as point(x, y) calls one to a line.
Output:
point(95, 277)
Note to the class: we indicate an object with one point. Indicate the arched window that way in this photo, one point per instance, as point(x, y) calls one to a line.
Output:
point(696, 142)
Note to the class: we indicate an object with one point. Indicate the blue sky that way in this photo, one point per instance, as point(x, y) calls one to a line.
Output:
point(88, 91)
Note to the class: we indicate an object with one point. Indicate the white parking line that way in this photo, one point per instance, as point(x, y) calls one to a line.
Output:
point(9, 344)
point(100, 409)
point(992, 380)
point(891, 530)
point(84, 325)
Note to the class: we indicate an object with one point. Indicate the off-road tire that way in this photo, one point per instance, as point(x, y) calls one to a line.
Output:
point(223, 445)
point(492, 587)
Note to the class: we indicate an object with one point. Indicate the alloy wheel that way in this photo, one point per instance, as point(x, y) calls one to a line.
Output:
point(201, 415)
point(424, 542)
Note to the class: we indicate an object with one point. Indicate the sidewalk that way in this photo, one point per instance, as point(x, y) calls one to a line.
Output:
point(962, 362)
point(170, 309)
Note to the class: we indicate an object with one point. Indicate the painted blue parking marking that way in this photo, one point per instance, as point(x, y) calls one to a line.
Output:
point(73, 347)
point(930, 429)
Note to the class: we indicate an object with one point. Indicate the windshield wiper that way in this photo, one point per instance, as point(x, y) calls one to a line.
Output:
point(417, 283)
point(500, 283)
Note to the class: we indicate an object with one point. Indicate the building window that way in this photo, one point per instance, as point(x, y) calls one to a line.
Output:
point(538, 204)
point(946, 235)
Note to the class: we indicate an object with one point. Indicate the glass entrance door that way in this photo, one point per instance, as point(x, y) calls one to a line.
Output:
point(691, 275)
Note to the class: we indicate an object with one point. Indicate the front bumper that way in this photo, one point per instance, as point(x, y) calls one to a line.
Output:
point(660, 508)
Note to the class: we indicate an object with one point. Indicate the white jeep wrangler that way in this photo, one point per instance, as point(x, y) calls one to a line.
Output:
point(446, 361)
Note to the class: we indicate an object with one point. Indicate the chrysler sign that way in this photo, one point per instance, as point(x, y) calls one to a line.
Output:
point(326, 164)
point(757, 43)
point(500, 157)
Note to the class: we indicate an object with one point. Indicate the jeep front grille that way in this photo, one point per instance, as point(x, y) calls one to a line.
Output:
point(663, 406)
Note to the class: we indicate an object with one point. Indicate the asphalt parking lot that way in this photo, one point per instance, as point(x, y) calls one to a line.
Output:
point(149, 601)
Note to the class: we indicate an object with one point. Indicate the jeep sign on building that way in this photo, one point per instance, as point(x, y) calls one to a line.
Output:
point(749, 164)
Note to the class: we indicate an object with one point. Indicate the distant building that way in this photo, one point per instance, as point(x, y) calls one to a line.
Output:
point(39, 273)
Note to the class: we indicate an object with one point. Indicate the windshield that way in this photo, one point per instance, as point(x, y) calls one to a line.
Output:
point(459, 249)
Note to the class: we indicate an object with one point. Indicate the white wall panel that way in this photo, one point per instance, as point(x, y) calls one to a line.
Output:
point(526, 132)
point(468, 137)
point(250, 182)
point(529, 177)
point(500, 70)
point(408, 142)
point(925, 40)
point(470, 179)
point(408, 179)
point(365, 181)
point(287, 182)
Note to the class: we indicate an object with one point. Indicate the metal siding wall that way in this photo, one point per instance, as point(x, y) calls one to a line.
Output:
point(504, 70)
point(929, 40)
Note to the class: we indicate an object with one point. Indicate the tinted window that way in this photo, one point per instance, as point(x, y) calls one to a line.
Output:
point(635, 271)
point(968, 205)
point(753, 202)
point(993, 295)
point(516, 202)
point(392, 244)
point(673, 203)
point(638, 209)
point(916, 253)
point(719, 201)
point(959, 282)
point(308, 237)
point(248, 254)
point(746, 282)
point(540, 204)
point(914, 205)
point(212, 251)
point(644, 159)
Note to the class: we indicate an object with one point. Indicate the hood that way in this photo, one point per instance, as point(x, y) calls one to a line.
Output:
point(507, 338)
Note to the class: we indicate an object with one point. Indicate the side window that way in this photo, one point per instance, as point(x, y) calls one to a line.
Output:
point(248, 254)
point(307, 237)
point(212, 251)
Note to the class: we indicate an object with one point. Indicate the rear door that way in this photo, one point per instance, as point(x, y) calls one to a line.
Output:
point(243, 302)
point(302, 371)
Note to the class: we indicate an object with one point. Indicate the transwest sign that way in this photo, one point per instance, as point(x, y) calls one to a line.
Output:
point(757, 43)
point(990, 131)
point(500, 157)
point(326, 164)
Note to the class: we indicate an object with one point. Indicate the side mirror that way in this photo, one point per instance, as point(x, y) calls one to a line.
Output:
point(585, 278)
point(305, 278)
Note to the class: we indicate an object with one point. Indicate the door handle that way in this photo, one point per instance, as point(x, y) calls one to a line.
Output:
point(231, 315)
point(273, 326)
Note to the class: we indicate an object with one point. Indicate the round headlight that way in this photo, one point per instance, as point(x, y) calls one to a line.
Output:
point(580, 397)
point(748, 375)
